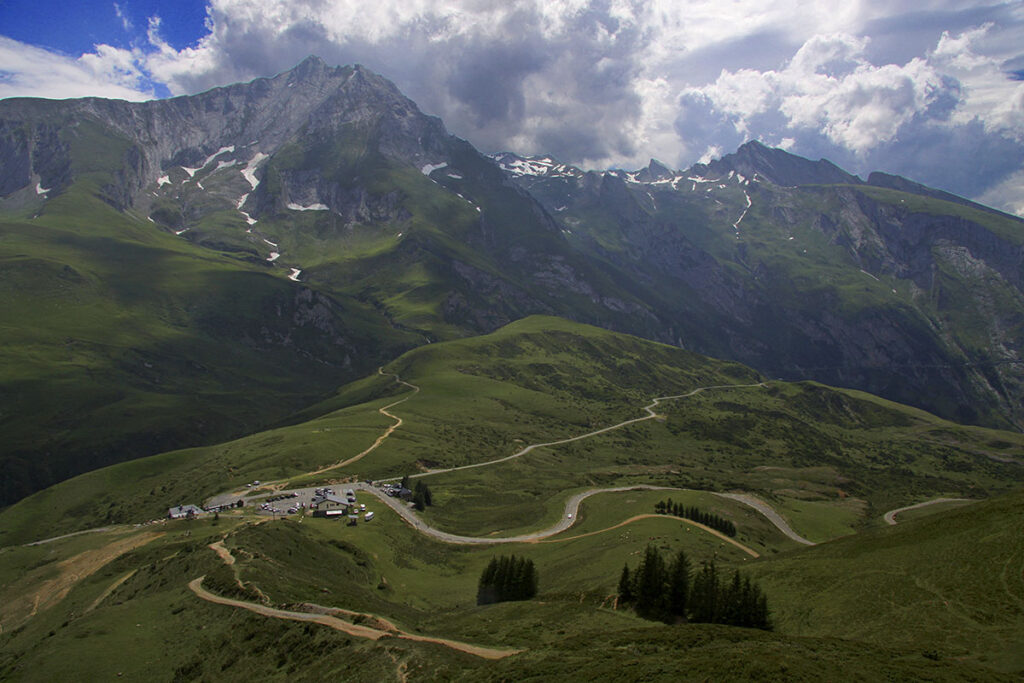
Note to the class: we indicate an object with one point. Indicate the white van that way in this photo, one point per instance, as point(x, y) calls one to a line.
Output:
point(368, 516)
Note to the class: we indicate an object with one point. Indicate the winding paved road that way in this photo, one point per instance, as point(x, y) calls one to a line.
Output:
point(766, 510)
point(569, 517)
point(890, 516)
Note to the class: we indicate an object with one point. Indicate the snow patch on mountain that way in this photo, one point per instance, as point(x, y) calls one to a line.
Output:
point(312, 207)
point(223, 150)
point(42, 190)
point(249, 172)
point(430, 168)
point(163, 180)
point(534, 166)
point(294, 277)
point(273, 256)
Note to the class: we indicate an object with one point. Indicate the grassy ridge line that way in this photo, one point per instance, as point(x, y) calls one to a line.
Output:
point(650, 415)
point(799, 446)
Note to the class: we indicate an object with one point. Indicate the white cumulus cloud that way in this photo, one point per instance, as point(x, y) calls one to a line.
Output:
point(27, 71)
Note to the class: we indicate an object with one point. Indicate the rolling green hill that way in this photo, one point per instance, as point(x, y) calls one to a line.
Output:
point(832, 460)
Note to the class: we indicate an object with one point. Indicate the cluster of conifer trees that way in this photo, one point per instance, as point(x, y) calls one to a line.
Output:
point(692, 512)
point(668, 591)
point(507, 577)
point(421, 496)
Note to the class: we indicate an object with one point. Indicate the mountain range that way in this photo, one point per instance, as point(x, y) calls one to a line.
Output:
point(182, 271)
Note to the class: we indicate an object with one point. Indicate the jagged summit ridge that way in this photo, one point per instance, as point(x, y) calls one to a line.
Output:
point(236, 123)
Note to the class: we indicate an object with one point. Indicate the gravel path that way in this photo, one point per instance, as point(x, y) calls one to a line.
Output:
point(890, 516)
point(649, 408)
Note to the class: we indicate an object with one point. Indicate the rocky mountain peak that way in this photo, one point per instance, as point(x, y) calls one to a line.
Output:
point(654, 172)
point(753, 159)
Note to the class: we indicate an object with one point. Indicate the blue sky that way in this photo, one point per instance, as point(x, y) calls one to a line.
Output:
point(930, 89)
point(78, 26)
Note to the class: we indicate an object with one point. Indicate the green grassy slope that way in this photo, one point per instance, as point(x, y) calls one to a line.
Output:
point(951, 583)
point(832, 461)
point(121, 341)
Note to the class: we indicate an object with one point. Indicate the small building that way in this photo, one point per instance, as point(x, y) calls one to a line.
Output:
point(184, 512)
point(330, 513)
point(329, 501)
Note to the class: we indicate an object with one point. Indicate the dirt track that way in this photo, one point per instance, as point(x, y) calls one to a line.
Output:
point(351, 629)
point(380, 439)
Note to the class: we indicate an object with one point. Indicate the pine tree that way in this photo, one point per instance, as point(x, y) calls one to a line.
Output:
point(704, 594)
point(649, 585)
point(678, 585)
point(485, 592)
point(421, 496)
point(733, 609)
point(625, 585)
point(405, 482)
point(507, 578)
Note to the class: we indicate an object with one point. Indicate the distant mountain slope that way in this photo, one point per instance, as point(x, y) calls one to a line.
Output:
point(121, 342)
point(804, 271)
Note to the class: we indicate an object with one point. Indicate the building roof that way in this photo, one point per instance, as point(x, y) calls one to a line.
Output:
point(184, 510)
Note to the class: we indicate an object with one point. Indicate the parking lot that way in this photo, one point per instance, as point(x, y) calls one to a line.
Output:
point(295, 501)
